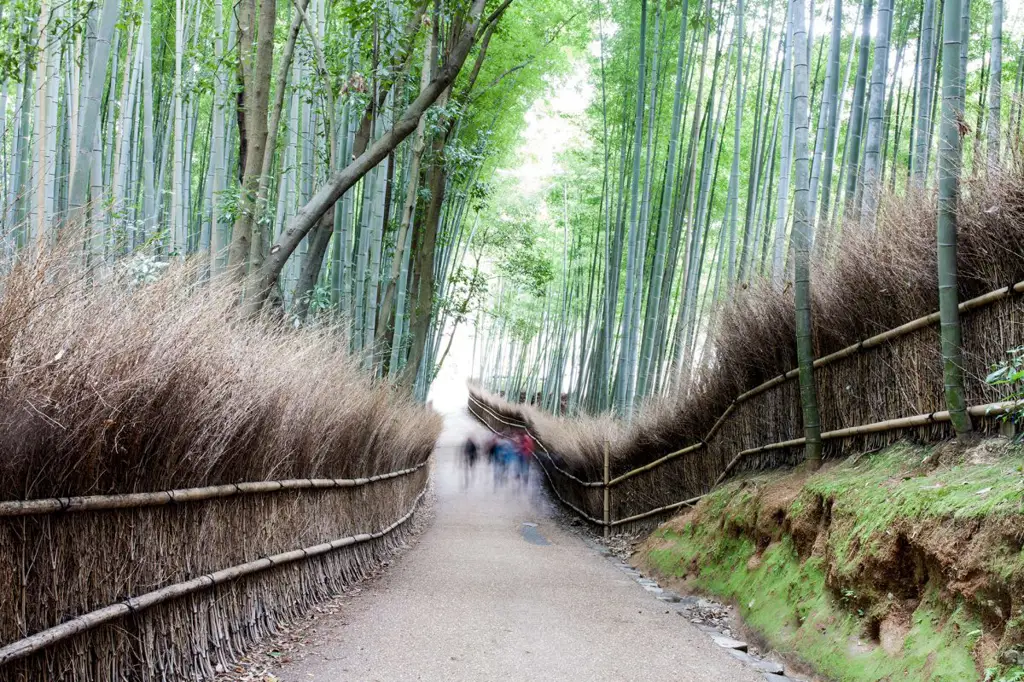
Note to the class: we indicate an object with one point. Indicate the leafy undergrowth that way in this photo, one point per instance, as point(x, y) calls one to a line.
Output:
point(902, 565)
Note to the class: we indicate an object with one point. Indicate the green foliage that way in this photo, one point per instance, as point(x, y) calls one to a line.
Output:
point(467, 288)
point(1009, 374)
point(1014, 674)
point(18, 39)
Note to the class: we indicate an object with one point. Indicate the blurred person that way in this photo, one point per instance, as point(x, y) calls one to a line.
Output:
point(525, 448)
point(470, 454)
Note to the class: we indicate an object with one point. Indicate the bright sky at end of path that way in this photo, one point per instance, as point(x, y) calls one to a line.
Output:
point(552, 127)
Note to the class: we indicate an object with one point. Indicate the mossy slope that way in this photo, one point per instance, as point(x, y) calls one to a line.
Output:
point(903, 565)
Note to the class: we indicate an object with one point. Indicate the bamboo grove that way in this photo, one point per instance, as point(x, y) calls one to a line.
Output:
point(732, 143)
point(331, 154)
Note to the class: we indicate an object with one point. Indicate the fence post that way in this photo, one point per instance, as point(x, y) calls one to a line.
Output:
point(607, 494)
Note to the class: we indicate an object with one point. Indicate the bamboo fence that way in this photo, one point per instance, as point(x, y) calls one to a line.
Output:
point(134, 587)
point(858, 393)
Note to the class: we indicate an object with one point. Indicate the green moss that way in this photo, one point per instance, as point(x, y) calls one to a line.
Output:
point(786, 598)
point(787, 601)
point(877, 491)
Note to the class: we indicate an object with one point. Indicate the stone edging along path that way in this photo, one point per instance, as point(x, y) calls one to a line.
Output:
point(686, 606)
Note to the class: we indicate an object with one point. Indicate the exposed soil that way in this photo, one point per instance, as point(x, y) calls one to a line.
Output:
point(932, 530)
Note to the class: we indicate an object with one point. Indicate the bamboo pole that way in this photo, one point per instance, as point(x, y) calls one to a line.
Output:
point(659, 510)
point(154, 499)
point(94, 619)
point(607, 493)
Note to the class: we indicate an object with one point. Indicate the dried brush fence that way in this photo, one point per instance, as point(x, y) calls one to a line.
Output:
point(871, 393)
point(879, 371)
point(176, 483)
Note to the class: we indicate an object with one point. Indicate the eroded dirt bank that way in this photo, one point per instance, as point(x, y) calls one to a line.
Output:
point(901, 565)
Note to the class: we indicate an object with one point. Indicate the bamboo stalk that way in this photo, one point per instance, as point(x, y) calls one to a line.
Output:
point(607, 492)
point(153, 499)
point(94, 619)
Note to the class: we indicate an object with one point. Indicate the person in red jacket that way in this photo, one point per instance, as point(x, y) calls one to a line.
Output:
point(526, 453)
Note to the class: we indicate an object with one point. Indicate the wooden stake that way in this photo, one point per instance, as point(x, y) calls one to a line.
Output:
point(607, 493)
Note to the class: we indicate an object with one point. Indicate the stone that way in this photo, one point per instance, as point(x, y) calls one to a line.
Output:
point(767, 666)
point(729, 642)
point(670, 597)
point(742, 657)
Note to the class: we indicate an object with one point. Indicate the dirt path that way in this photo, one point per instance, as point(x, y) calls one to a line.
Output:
point(487, 595)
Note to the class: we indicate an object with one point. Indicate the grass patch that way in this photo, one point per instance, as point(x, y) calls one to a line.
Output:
point(846, 569)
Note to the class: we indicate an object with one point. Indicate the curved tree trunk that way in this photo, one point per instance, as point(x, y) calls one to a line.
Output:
point(267, 276)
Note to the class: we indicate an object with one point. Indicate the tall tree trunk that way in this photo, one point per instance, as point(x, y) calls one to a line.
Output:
point(386, 324)
point(256, 61)
point(778, 269)
point(82, 176)
point(831, 111)
point(924, 120)
point(857, 112)
point(995, 85)
point(178, 227)
point(802, 241)
point(423, 301)
point(949, 198)
point(872, 150)
point(623, 386)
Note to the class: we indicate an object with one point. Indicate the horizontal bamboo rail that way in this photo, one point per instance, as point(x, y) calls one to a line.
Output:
point(52, 505)
point(877, 427)
point(94, 619)
point(660, 510)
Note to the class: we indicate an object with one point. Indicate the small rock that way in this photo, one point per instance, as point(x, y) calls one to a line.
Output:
point(729, 642)
point(742, 656)
point(769, 667)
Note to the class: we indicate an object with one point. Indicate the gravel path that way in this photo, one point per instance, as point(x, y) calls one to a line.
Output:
point(488, 595)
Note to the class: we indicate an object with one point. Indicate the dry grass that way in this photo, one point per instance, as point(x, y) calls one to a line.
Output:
point(869, 283)
point(111, 386)
point(114, 387)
